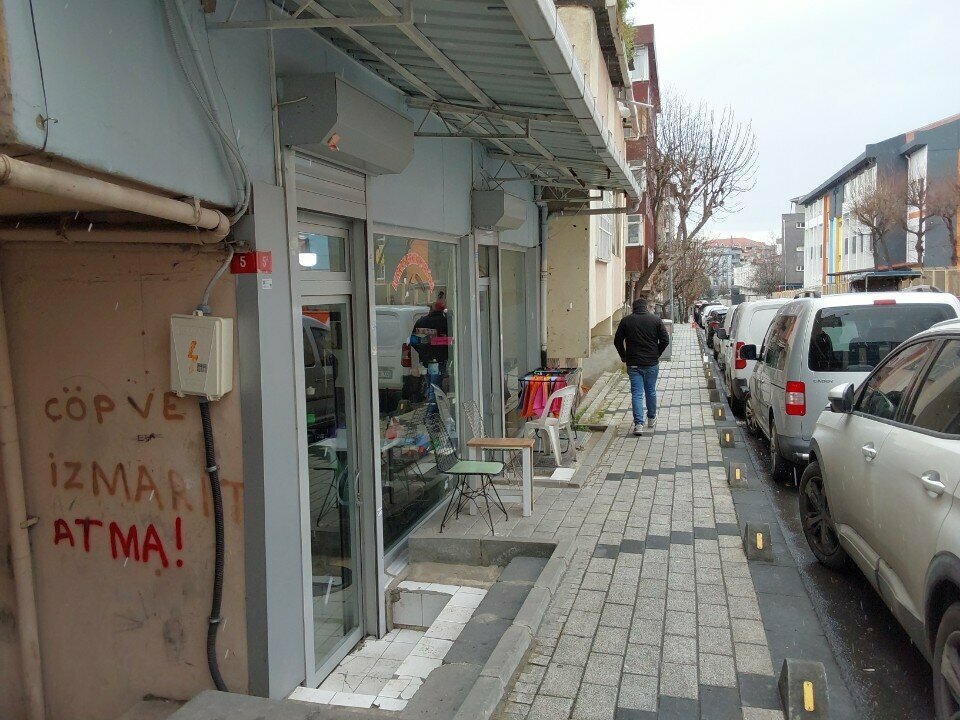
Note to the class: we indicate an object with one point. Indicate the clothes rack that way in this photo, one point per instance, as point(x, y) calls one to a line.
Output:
point(536, 386)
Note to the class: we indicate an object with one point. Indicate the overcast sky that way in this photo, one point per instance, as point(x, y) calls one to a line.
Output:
point(819, 79)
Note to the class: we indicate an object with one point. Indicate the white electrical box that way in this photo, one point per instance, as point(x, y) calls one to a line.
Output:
point(201, 355)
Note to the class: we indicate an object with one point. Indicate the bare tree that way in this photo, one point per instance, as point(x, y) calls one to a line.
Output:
point(943, 201)
point(699, 163)
point(692, 271)
point(916, 201)
point(767, 275)
point(706, 159)
point(879, 207)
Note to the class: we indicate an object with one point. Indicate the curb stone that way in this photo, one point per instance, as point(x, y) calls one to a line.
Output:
point(490, 689)
point(597, 394)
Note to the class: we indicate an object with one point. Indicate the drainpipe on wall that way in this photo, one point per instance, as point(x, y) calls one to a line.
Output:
point(20, 523)
point(544, 220)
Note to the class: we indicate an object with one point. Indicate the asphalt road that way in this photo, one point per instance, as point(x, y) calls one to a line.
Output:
point(884, 671)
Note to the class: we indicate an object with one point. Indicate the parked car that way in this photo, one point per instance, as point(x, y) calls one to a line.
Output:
point(722, 334)
point(320, 379)
point(814, 344)
point(746, 325)
point(713, 320)
point(704, 311)
point(881, 488)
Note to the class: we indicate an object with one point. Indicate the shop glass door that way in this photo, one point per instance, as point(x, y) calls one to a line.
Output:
point(334, 583)
point(333, 586)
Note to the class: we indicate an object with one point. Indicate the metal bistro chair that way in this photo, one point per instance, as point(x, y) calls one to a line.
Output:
point(449, 463)
point(551, 426)
point(443, 407)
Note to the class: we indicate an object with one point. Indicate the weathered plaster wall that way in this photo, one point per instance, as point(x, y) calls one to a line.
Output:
point(11, 697)
point(580, 25)
point(569, 256)
point(114, 469)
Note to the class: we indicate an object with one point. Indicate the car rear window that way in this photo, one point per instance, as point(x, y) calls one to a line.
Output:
point(857, 337)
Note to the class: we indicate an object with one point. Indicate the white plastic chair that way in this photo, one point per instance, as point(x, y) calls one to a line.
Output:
point(551, 426)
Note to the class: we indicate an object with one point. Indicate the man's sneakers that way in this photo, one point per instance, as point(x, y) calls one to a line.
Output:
point(638, 427)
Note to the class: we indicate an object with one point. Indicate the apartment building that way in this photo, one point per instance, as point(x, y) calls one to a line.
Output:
point(314, 181)
point(837, 244)
point(642, 232)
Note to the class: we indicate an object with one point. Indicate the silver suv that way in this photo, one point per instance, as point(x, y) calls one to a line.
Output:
point(814, 344)
point(881, 486)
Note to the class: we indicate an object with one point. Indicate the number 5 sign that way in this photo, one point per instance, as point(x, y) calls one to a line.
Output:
point(256, 261)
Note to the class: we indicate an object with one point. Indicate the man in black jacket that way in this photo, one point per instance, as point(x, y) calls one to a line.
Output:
point(640, 340)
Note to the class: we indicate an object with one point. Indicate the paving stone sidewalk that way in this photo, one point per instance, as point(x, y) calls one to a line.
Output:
point(658, 615)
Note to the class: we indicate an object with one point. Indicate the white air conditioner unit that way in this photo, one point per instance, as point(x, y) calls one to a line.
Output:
point(326, 116)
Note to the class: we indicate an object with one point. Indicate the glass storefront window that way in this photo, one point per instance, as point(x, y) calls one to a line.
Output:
point(515, 333)
point(415, 291)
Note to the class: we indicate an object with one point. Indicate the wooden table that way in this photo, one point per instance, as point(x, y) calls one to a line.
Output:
point(524, 445)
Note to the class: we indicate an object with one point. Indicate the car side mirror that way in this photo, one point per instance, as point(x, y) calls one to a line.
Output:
point(841, 398)
point(748, 352)
point(721, 333)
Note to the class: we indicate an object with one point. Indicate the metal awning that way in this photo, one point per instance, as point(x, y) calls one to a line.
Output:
point(895, 274)
point(498, 71)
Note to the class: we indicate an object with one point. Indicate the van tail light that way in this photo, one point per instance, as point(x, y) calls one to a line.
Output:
point(713, 324)
point(796, 398)
point(891, 301)
point(740, 363)
point(405, 355)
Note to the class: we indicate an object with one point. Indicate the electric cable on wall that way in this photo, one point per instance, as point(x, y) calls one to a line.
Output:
point(216, 494)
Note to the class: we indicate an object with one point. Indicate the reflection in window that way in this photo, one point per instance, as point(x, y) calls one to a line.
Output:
point(326, 253)
point(938, 403)
point(330, 437)
point(856, 338)
point(635, 230)
point(886, 391)
point(415, 293)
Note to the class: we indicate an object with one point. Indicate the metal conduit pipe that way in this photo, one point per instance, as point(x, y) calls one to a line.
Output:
point(36, 178)
point(20, 523)
point(544, 222)
point(127, 234)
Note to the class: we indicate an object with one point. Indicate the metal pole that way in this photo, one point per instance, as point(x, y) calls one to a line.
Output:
point(670, 293)
point(19, 526)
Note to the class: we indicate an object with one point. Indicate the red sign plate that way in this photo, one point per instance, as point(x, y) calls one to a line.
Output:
point(256, 261)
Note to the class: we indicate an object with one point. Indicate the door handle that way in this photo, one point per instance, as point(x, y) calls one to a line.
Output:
point(869, 451)
point(931, 483)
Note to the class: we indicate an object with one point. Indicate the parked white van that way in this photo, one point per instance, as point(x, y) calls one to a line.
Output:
point(814, 344)
point(394, 360)
point(749, 326)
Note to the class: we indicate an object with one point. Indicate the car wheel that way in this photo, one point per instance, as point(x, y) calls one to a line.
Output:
point(946, 665)
point(737, 405)
point(780, 468)
point(750, 418)
point(818, 526)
